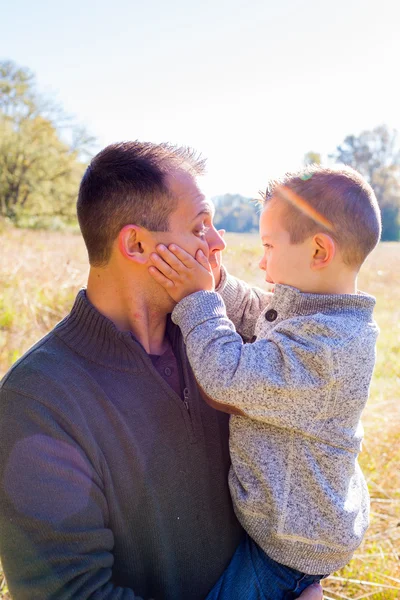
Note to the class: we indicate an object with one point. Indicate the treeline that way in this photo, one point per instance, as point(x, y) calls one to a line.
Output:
point(236, 213)
point(43, 154)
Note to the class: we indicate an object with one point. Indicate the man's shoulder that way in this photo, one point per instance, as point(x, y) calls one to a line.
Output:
point(47, 362)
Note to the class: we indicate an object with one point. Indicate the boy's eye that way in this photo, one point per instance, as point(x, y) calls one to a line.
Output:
point(268, 246)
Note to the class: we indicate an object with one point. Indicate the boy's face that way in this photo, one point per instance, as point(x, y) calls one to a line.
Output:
point(283, 262)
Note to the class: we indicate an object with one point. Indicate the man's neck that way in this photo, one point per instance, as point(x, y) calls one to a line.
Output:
point(129, 310)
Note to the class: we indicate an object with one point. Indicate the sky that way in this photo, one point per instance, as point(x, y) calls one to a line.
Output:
point(252, 85)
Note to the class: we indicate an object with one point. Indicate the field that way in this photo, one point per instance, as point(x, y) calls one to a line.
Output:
point(40, 274)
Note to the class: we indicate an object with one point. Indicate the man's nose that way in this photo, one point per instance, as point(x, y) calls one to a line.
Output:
point(215, 241)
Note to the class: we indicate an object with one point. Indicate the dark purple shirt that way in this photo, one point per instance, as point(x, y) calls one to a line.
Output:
point(167, 366)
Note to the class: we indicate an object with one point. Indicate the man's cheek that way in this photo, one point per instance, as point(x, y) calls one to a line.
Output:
point(189, 243)
point(196, 243)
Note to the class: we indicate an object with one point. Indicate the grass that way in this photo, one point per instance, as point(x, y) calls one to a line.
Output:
point(40, 274)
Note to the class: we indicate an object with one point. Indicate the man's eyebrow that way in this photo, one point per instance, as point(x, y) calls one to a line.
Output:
point(208, 210)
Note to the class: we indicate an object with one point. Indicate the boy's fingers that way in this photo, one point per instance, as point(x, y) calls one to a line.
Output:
point(160, 278)
point(163, 266)
point(203, 260)
point(184, 257)
point(169, 257)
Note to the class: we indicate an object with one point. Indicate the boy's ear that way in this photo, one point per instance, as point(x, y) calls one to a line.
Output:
point(324, 250)
point(130, 244)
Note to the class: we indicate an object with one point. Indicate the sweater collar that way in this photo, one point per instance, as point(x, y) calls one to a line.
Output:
point(94, 336)
point(289, 301)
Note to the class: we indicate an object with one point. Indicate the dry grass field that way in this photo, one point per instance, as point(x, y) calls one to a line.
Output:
point(40, 274)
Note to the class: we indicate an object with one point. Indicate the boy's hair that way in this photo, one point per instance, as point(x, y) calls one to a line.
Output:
point(126, 184)
point(341, 197)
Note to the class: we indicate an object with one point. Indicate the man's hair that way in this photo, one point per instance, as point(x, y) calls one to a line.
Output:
point(126, 184)
point(337, 201)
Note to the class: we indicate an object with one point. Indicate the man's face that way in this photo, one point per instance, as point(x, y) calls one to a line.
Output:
point(191, 223)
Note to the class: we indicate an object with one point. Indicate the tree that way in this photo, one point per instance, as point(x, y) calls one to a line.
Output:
point(312, 158)
point(235, 213)
point(376, 155)
point(42, 150)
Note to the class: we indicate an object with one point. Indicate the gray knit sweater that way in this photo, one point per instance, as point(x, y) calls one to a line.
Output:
point(301, 387)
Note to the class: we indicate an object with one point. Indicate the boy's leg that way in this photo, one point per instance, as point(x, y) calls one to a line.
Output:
point(239, 580)
point(252, 575)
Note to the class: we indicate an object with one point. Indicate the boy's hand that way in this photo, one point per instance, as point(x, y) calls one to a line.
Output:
point(216, 267)
point(179, 273)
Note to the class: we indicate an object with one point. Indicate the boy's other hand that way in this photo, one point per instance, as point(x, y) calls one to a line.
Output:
point(216, 265)
point(313, 592)
point(179, 273)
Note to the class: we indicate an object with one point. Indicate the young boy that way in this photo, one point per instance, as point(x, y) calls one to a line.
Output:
point(297, 391)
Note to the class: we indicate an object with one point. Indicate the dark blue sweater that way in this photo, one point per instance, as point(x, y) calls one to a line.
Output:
point(110, 487)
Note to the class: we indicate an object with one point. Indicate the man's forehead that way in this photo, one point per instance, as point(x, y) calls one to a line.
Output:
point(191, 200)
point(205, 207)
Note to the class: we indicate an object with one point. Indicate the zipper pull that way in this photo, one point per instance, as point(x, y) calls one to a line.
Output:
point(186, 398)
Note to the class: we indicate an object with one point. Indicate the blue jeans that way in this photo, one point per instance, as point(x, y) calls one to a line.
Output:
point(252, 575)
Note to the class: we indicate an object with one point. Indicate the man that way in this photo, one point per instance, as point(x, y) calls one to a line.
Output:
point(113, 470)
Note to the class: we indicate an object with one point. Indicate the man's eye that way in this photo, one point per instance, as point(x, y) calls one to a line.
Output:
point(201, 232)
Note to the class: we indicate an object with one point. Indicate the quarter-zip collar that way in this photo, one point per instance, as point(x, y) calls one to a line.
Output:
point(94, 336)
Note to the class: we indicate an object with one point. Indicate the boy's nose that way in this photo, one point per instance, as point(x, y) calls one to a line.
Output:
point(262, 264)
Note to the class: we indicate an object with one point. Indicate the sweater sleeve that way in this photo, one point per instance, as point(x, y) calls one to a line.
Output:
point(244, 304)
point(55, 542)
point(272, 380)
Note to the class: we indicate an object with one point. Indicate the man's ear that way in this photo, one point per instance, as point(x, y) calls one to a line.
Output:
point(324, 250)
point(130, 244)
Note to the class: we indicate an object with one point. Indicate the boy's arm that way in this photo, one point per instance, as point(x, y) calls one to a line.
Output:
point(181, 274)
point(244, 304)
point(277, 380)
